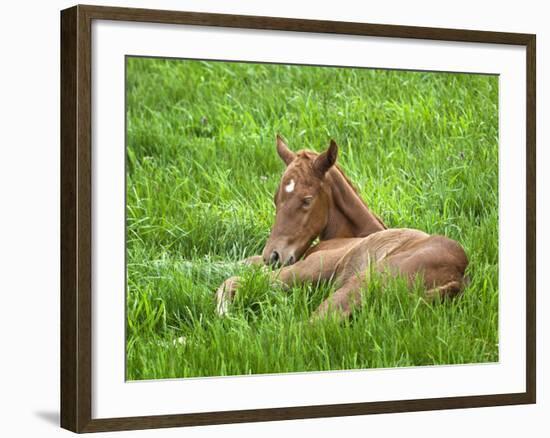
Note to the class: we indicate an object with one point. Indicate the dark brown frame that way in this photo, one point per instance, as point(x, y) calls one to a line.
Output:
point(76, 219)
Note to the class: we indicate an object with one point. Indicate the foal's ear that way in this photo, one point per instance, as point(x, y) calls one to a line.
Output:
point(284, 152)
point(327, 159)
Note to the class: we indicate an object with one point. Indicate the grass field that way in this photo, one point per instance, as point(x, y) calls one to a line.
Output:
point(422, 149)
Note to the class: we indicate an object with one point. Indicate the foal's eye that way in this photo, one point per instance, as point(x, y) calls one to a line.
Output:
point(306, 202)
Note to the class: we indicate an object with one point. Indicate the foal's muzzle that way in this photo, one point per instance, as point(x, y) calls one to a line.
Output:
point(276, 260)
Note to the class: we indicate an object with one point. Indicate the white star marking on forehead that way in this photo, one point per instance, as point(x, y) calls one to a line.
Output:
point(289, 188)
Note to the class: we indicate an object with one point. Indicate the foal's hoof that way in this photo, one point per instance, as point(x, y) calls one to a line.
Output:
point(222, 302)
point(222, 307)
point(225, 294)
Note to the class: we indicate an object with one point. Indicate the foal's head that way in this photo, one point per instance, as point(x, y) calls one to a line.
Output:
point(302, 203)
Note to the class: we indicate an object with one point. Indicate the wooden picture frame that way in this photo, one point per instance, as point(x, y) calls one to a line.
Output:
point(76, 218)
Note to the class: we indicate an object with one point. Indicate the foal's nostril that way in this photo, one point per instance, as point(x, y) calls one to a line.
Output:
point(274, 258)
point(291, 260)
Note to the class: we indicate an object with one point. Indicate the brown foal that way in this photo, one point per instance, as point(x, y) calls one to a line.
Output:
point(316, 200)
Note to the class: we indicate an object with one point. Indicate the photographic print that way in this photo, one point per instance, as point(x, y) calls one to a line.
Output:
point(295, 218)
point(268, 218)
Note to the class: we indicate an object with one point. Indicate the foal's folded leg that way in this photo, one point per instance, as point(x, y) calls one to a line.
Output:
point(295, 274)
point(301, 272)
point(342, 302)
point(253, 260)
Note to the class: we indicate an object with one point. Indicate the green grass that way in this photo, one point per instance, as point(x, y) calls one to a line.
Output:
point(422, 148)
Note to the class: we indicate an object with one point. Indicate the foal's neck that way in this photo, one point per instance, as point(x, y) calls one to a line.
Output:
point(349, 216)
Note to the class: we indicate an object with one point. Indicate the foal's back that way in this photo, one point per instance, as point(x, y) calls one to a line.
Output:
point(401, 251)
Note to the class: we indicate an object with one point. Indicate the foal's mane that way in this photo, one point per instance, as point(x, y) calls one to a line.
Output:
point(312, 155)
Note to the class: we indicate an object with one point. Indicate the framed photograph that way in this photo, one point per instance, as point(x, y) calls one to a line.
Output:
point(271, 218)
